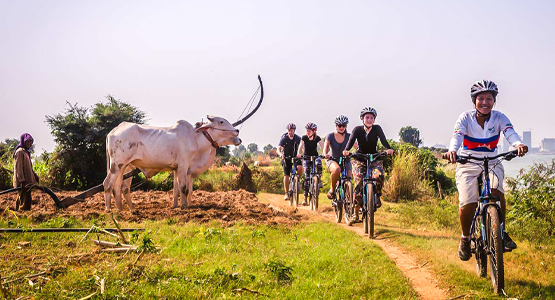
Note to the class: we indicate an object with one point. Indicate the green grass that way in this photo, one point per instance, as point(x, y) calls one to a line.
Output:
point(430, 231)
point(306, 261)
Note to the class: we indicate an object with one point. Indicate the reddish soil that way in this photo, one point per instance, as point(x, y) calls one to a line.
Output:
point(227, 207)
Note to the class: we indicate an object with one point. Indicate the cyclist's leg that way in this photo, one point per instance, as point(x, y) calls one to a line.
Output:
point(318, 163)
point(378, 174)
point(497, 176)
point(467, 184)
point(359, 170)
point(286, 172)
point(307, 166)
point(335, 172)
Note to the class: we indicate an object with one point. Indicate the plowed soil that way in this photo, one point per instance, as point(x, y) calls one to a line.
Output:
point(227, 207)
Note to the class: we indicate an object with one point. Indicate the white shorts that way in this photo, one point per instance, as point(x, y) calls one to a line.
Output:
point(467, 181)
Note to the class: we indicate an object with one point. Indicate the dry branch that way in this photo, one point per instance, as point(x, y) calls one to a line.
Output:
point(89, 296)
point(119, 229)
point(112, 245)
point(118, 250)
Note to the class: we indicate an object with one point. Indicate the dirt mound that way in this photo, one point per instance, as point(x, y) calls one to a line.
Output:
point(227, 207)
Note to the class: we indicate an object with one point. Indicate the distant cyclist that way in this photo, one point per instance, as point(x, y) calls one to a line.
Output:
point(309, 146)
point(288, 145)
point(479, 131)
point(334, 145)
point(367, 135)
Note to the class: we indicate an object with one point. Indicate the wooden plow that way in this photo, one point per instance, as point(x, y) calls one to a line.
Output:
point(69, 201)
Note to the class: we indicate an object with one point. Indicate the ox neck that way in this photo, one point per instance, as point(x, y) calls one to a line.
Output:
point(210, 139)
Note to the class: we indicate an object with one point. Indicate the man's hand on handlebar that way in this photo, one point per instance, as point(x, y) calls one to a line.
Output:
point(521, 149)
point(451, 156)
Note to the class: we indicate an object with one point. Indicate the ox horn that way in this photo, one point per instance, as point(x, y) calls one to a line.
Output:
point(257, 106)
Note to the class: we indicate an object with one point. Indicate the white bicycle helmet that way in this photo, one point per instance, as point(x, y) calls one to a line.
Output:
point(483, 86)
point(368, 110)
point(341, 120)
point(311, 126)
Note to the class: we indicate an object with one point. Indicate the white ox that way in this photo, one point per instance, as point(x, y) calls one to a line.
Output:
point(182, 148)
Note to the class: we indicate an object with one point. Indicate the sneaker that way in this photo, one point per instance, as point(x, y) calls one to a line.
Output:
point(464, 249)
point(286, 197)
point(508, 243)
point(305, 202)
point(320, 185)
point(378, 202)
point(330, 194)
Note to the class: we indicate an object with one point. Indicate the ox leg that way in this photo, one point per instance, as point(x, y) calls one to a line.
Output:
point(183, 187)
point(108, 191)
point(117, 189)
point(190, 189)
point(126, 190)
point(175, 189)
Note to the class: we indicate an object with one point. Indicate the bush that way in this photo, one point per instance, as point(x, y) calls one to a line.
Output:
point(79, 160)
point(531, 197)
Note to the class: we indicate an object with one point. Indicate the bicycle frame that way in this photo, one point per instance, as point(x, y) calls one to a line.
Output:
point(344, 177)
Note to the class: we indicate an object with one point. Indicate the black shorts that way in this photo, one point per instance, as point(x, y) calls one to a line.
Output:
point(286, 164)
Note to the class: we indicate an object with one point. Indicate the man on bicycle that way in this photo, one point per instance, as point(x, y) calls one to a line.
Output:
point(309, 146)
point(336, 142)
point(288, 145)
point(479, 131)
point(367, 135)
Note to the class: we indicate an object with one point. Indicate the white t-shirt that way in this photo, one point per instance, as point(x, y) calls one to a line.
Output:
point(479, 141)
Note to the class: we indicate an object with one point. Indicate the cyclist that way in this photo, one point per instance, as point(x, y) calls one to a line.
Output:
point(309, 146)
point(333, 146)
point(367, 135)
point(288, 145)
point(478, 131)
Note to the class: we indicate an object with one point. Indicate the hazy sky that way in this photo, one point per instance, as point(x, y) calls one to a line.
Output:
point(414, 61)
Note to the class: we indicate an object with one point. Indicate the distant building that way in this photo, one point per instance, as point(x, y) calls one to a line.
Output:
point(547, 145)
point(527, 138)
point(439, 146)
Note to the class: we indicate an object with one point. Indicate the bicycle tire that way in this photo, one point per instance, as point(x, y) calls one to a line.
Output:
point(338, 207)
point(294, 187)
point(479, 252)
point(348, 204)
point(364, 207)
point(495, 243)
point(370, 208)
point(315, 191)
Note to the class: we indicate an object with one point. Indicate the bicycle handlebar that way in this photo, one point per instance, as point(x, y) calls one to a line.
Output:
point(506, 155)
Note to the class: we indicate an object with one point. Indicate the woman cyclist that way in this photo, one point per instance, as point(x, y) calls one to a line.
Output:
point(478, 131)
point(367, 135)
point(334, 145)
point(309, 146)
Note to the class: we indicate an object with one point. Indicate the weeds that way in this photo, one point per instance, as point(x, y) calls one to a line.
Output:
point(280, 271)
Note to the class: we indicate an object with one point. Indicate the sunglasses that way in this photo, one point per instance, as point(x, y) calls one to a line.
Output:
point(341, 126)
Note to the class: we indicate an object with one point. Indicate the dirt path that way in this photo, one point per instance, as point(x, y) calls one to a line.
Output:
point(421, 278)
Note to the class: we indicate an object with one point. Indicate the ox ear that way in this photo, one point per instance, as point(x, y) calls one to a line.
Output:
point(210, 118)
point(203, 127)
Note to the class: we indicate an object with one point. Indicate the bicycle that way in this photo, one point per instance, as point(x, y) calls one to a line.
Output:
point(342, 200)
point(314, 181)
point(369, 196)
point(293, 191)
point(487, 229)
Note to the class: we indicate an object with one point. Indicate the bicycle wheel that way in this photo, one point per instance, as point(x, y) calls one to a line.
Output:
point(294, 188)
point(338, 207)
point(479, 252)
point(348, 203)
point(370, 207)
point(495, 243)
point(315, 191)
point(364, 206)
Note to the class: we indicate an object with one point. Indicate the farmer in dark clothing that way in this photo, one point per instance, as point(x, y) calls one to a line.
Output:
point(23, 174)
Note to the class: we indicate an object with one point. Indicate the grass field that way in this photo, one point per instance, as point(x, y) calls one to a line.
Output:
point(194, 261)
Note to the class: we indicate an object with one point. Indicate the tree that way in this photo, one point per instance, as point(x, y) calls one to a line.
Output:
point(267, 148)
point(239, 151)
point(252, 148)
point(223, 153)
point(79, 159)
point(409, 134)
